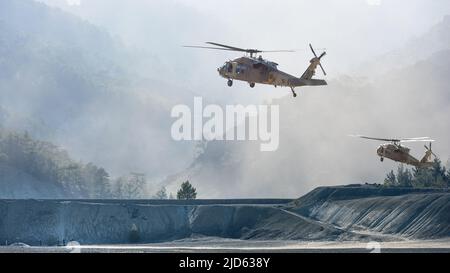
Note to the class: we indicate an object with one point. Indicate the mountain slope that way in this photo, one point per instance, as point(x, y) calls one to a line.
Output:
point(70, 82)
point(419, 48)
point(37, 169)
point(16, 183)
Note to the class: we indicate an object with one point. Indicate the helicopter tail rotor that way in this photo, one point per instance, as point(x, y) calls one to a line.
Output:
point(318, 58)
point(429, 150)
point(426, 160)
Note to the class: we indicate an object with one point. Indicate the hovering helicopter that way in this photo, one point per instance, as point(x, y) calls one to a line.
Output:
point(395, 151)
point(258, 70)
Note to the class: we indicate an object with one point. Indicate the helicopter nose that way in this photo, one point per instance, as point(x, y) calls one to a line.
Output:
point(221, 70)
point(380, 150)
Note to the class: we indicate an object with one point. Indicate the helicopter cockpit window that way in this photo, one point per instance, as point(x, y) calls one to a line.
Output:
point(229, 67)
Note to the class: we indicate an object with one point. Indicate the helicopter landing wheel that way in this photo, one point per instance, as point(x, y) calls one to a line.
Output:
point(293, 92)
point(230, 83)
point(252, 84)
point(381, 159)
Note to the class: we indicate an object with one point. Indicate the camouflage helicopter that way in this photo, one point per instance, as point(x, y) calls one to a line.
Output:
point(395, 151)
point(258, 70)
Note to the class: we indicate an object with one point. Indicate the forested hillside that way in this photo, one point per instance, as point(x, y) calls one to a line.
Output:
point(39, 169)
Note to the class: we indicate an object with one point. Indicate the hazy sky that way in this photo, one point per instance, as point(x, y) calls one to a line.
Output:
point(352, 31)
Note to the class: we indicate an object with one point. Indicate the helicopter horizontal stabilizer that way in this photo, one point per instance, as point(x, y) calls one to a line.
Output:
point(314, 82)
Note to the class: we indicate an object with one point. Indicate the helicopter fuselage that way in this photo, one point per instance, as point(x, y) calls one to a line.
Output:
point(258, 70)
point(396, 152)
point(399, 153)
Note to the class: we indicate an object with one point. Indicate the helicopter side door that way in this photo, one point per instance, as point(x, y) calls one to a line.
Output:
point(238, 70)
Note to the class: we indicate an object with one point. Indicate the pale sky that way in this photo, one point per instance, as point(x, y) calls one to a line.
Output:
point(352, 31)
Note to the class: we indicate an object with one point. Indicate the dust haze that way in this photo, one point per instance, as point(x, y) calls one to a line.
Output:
point(122, 121)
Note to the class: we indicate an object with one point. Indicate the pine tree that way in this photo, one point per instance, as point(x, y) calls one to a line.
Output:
point(422, 178)
point(438, 174)
point(431, 177)
point(187, 192)
point(404, 177)
point(390, 179)
point(447, 178)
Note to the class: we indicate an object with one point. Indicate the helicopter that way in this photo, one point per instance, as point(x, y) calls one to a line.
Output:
point(396, 152)
point(254, 70)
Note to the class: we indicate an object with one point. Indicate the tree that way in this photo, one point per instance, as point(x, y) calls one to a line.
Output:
point(97, 181)
point(404, 177)
point(435, 176)
point(422, 178)
point(447, 178)
point(118, 190)
point(161, 194)
point(438, 173)
point(390, 179)
point(186, 192)
point(130, 187)
point(102, 183)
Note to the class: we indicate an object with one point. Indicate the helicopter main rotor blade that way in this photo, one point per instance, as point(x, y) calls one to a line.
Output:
point(230, 47)
point(250, 50)
point(375, 138)
point(413, 138)
point(283, 50)
point(210, 47)
point(416, 139)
